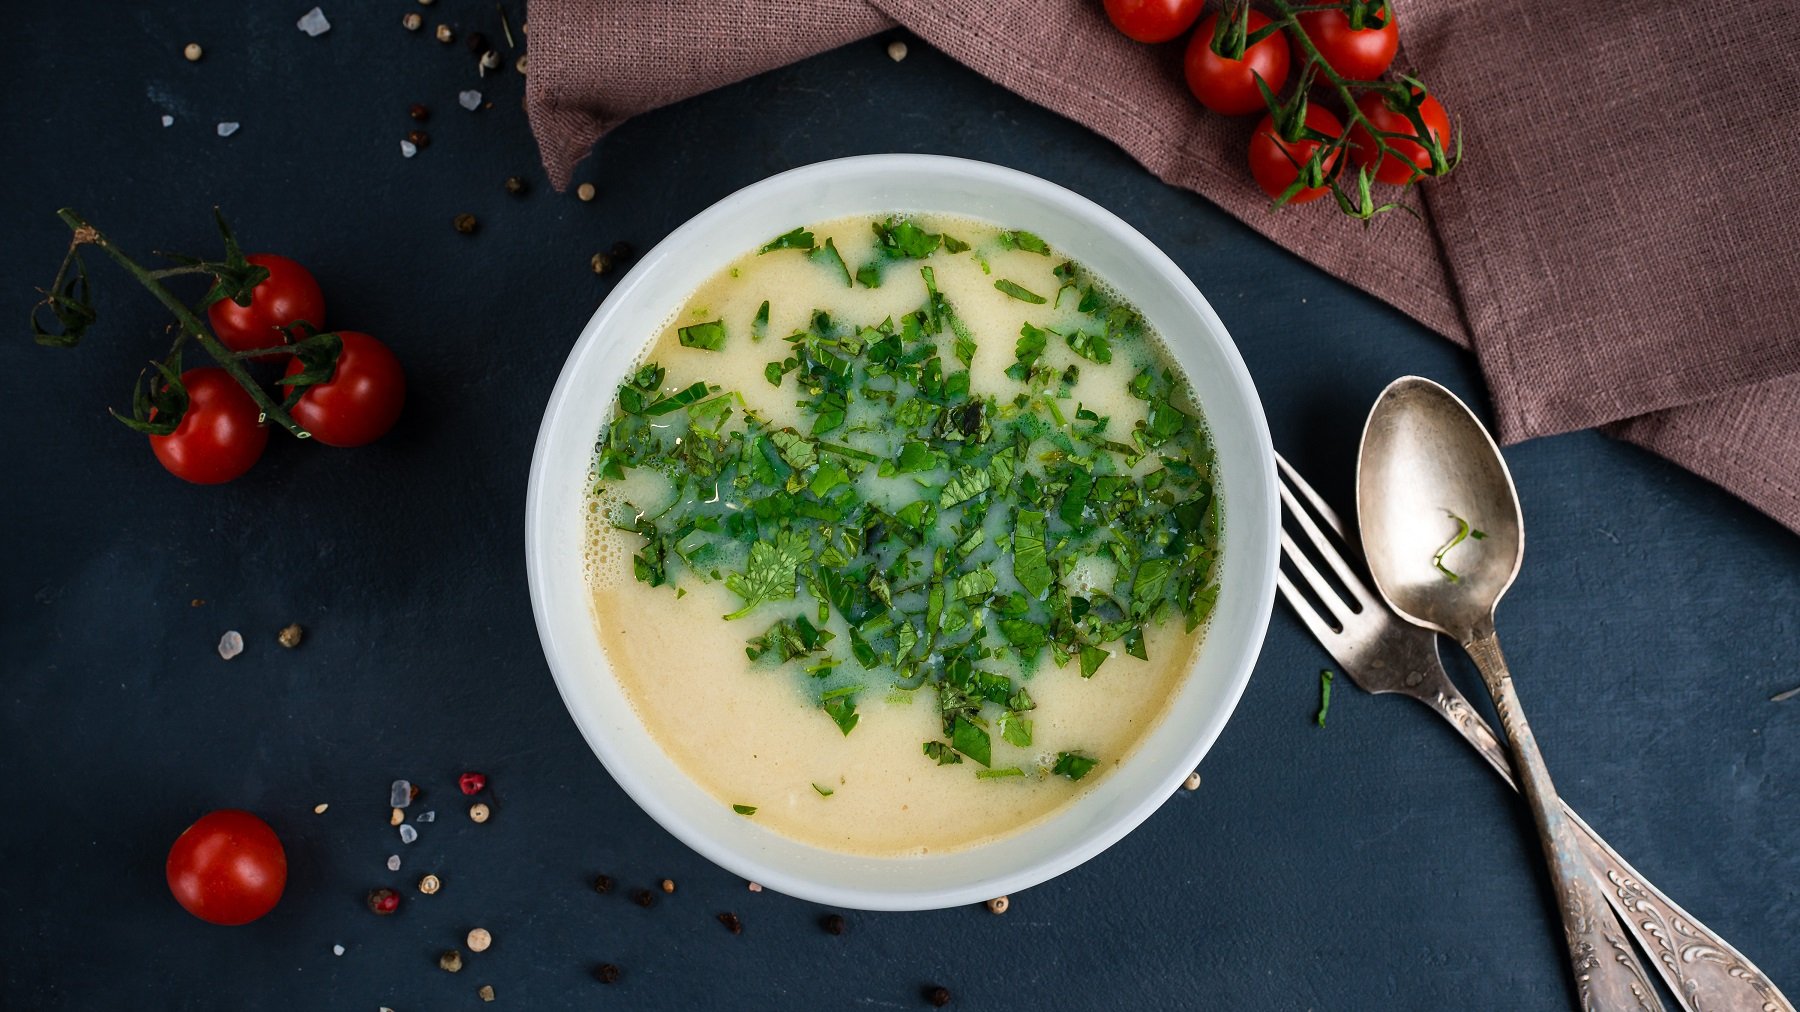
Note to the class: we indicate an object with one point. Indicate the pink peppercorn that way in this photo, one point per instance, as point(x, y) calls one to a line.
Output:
point(472, 783)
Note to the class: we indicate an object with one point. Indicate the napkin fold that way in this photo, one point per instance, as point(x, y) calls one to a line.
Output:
point(1618, 247)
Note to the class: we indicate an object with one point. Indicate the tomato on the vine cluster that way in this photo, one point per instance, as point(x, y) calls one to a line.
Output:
point(1228, 86)
point(288, 296)
point(1361, 54)
point(361, 400)
point(1393, 169)
point(1153, 20)
point(227, 868)
point(1276, 163)
point(220, 435)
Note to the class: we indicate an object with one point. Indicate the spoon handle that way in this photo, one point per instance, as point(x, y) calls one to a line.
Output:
point(1704, 972)
point(1608, 976)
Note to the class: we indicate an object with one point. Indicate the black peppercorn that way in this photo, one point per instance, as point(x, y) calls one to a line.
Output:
point(620, 251)
point(464, 223)
point(643, 898)
point(419, 112)
point(420, 139)
point(603, 884)
point(606, 973)
point(515, 185)
point(833, 924)
point(732, 924)
point(476, 42)
point(937, 996)
point(601, 263)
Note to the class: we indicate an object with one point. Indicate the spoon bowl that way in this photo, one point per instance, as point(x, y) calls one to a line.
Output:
point(1428, 469)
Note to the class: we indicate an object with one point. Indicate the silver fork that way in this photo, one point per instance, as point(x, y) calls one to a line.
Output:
point(1381, 654)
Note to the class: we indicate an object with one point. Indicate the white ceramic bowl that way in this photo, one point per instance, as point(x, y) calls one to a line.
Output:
point(623, 327)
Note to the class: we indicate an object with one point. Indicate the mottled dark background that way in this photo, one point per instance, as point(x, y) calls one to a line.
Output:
point(1371, 864)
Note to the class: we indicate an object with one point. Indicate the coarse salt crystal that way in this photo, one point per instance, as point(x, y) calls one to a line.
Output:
point(428, 816)
point(232, 643)
point(408, 149)
point(337, 950)
point(313, 23)
point(393, 862)
point(227, 129)
point(168, 120)
point(470, 100)
point(407, 833)
point(400, 793)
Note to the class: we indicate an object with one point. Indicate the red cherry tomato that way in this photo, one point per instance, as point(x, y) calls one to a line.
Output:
point(1153, 20)
point(1393, 169)
point(361, 400)
point(1229, 86)
point(227, 868)
point(289, 295)
point(219, 438)
point(1269, 155)
point(1361, 54)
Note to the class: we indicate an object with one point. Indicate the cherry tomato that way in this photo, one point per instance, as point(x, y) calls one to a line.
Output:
point(289, 295)
point(1153, 20)
point(1394, 169)
point(219, 438)
point(360, 401)
point(1361, 54)
point(227, 868)
point(1229, 86)
point(1269, 154)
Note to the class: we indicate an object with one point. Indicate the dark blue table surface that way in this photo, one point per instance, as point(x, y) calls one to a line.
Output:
point(1370, 864)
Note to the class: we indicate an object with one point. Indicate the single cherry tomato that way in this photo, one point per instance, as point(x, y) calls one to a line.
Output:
point(1394, 169)
point(1153, 20)
point(289, 295)
point(1270, 155)
point(227, 868)
point(361, 400)
point(1229, 86)
point(1361, 54)
point(219, 437)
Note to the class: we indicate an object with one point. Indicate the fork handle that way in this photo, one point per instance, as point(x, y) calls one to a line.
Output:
point(1702, 970)
point(1608, 976)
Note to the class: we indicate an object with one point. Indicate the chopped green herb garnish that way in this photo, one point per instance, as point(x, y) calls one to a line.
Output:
point(1073, 765)
point(799, 239)
point(707, 336)
point(1000, 774)
point(1462, 531)
point(744, 809)
point(759, 327)
point(824, 792)
point(971, 741)
point(828, 255)
point(941, 753)
point(1020, 292)
point(1324, 695)
point(1025, 241)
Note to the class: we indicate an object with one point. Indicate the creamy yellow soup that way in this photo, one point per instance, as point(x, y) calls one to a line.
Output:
point(1027, 675)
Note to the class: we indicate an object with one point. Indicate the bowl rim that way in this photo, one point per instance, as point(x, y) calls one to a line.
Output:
point(1258, 581)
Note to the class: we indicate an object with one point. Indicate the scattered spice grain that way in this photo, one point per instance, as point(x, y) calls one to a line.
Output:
point(444, 34)
point(602, 263)
point(383, 901)
point(479, 939)
point(896, 50)
point(471, 783)
point(606, 973)
point(193, 52)
point(396, 818)
point(290, 635)
point(490, 60)
point(1192, 782)
point(486, 991)
point(466, 224)
point(419, 112)
point(430, 885)
point(998, 905)
point(451, 960)
point(643, 898)
point(937, 996)
point(319, 809)
point(668, 885)
point(603, 883)
point(732, 923)
point(411, 21)
point(585, 191)
point(419, 138)
point(515, 185)
point(755, 887)
point(834, 924)
point(478, 812)
point(520, 65)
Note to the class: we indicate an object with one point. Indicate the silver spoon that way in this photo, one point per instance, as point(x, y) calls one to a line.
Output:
point(1443, 535)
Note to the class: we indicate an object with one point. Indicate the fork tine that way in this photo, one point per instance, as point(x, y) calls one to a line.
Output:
point(1321, 629)
point(1329, 552)
point(1312, 498)
point(1334, 602)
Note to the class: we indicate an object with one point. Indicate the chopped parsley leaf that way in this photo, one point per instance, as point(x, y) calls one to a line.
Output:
point(744, 809)
point(1073, 765)
point(799, 239)
point(824, 792)
point(1324, 695)
point(1025, 241)
point(828, 255)
point(1020, 292)
point(706, 336)
point(972, 741)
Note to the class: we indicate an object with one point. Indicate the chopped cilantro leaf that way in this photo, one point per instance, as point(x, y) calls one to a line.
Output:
point(953, 244)
point(965, 484)
point(941, 753)
point(1020, 292)
point(1031, 566)
point(769, 574)
point(828, 255)
point(759, 327)
point(1016, 730)
point(1073, 765)
point(1025, 241)
point(1091, 659)
point(799, 238)
point(706, 336)
point(1093, 347)
point(972, 741)
point(842, 711)
point(744, 809)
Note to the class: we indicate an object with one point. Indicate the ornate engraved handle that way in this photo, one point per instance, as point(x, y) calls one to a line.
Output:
point(1608, 976)
point(1702, 970)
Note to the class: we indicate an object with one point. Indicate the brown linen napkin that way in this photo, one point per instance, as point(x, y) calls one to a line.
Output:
point(1618, 245)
